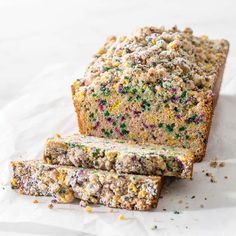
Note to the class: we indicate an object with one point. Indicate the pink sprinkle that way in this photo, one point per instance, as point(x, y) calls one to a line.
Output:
point(96, 125)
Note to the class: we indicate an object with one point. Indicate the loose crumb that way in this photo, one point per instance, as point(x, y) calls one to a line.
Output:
point(213, 164)
point(222, 164)
point(203, 171)
point(50, 206)
point(180, 201)
point(213, 180)
point(164, 209)
point(35, 201)
point(202, 206)
point(176, 212)
point(121, 217)
point(205, 198)
point(82, 203)
point(88, 209)
point(187, 207)
point(226, 177)
point(110, 210)
point(154, 227)
point(193, 197)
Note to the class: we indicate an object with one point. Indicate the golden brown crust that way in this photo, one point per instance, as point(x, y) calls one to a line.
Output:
point(76, 105)
point(216, 91)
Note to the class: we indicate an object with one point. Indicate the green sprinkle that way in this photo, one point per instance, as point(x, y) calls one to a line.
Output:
point(107, 132)
point(94, 94)
point(114, 123)
point(176, 109)
point(177, 135)
point(96, 152)
point(124, 131)
point(91, 116)
point(170, 128)
point(145, 106)
point(106, 68)
point(160, 125)
point(103, 102)
point(181, 128)
point(105, 91)
point(134, 90)
point(191, 119)
point(106, 113)
point(123, 126)
point(127, 78)
point(169, 167)
point(187, 136)
point(183, 96)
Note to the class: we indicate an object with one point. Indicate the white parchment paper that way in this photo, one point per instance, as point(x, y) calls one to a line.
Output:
point(42, 47)
point(45, 108)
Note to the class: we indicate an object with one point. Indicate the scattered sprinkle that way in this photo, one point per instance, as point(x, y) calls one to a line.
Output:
point(35, 201)
point(226, 177)
point(88, 209)
point(202, 206)
point(180, 201)
point(164, 209)
point(205, 198)
point(176, 212)
point(154, 227)
point(187, 207)
point(50, 206)
point(193, 197)
point(110, 210)
point(121, 217)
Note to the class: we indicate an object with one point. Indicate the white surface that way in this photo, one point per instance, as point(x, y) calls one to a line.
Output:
point(44, 46)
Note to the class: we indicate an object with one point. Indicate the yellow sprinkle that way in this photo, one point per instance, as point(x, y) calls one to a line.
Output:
point(121, 217)
point(115, 106)
point(13, 182)
point(108, 62)
point(154, 42)
point(124, 82)
point(171, 141)
point(122, 38)
point(142, 193)
point(126, 64)
point(111, 155)
point(103, 79)
point(80, 95)
point(88, 209)
point(151, 119)
point(133, 187)
point(101, 51)
point(116, 64)
point(172, 45)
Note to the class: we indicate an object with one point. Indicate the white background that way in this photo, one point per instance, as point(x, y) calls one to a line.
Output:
point(44, 46)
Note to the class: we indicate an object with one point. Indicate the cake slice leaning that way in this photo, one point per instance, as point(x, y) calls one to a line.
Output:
point(133, 192)
point(120, 156)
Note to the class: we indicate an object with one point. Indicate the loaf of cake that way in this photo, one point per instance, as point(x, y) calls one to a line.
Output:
point(133, 192)
point(157, 85)
point(122, 157)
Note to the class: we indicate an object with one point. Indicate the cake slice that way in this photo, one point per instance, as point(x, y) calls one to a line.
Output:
point(133, 192)
point(120, 156)
point(157, 86)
